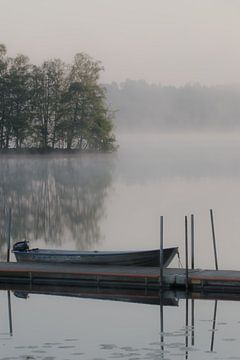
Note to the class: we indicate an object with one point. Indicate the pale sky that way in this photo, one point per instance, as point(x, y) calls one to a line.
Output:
point(167, 41)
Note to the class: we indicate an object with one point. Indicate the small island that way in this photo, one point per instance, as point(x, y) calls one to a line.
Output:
point(53, 107)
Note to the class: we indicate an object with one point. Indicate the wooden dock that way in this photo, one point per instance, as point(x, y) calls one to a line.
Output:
point(118, 276)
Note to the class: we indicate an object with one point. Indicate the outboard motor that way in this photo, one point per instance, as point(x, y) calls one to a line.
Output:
point(21, 246)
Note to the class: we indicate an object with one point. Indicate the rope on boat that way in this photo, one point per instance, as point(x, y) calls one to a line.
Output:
point(179, 261)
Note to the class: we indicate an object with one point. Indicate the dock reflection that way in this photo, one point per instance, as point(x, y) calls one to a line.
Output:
point(161, 299)
point(141, 296)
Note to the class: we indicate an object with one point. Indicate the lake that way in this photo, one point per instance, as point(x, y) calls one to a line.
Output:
point(114, 201)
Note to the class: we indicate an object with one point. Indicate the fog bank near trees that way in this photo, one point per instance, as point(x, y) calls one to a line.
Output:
point(142, 106)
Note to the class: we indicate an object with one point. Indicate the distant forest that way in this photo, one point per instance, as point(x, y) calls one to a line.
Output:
point(53, 105)
point(62, 106)
point(141, 106)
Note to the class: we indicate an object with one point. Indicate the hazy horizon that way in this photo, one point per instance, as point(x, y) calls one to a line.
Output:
point(167, 42)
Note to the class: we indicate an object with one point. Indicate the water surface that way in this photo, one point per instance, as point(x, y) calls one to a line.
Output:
point(114, 201)
point(55, 327)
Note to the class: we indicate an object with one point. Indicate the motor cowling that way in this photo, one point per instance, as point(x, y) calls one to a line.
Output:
point(21, 246)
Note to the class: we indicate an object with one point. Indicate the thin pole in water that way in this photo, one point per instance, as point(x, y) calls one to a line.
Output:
point(214, 325)
point(186, 250)
point(192, 240)
point(10, 313)
point(214, 239)
point(193, 322)
point(161, 251)
point(186, 328)
point(9, 234)
point(161, 323)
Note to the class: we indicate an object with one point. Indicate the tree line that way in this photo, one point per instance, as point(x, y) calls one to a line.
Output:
point(142, 106)
point(54, 105)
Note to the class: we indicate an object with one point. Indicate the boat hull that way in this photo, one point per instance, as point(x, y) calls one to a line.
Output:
point(124, 258)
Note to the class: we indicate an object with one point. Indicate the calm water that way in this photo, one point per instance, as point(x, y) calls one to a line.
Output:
point(54, 327)
point(114, 202)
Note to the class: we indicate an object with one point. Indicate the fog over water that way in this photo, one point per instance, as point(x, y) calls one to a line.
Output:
point(151, 107)
point(114, 201)
point(176, 175)
point(55, 199)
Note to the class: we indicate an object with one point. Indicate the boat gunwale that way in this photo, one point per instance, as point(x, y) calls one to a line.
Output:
point(60, 252)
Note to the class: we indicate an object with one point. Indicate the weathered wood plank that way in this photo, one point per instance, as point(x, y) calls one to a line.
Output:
point(110, 276)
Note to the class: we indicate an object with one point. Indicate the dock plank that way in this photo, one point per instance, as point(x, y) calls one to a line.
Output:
point(111, 276)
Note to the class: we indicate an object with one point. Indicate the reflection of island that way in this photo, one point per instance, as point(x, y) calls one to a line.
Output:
point(55, 199)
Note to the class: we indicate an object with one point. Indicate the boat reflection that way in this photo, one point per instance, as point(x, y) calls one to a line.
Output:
point(161, 299)
point(141, 296)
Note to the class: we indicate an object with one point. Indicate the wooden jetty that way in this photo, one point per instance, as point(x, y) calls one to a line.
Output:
point(119, 276)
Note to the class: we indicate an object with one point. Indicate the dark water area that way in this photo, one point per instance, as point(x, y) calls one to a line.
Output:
point(114, 201)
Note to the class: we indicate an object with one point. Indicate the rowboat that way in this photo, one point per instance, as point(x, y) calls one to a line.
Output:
point(23, 253)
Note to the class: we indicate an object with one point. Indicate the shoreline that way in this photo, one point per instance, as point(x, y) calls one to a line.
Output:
point(36, 151)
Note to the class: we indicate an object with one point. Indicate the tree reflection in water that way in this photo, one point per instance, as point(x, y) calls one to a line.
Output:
point(55, 199)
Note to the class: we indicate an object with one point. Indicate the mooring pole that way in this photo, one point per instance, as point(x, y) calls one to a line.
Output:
point(10, 314)
point(214, 239)
point(192, 240)
point(186, 250)
point(186, 328)
point(192, 308)
point(161, 251)
point(161, 323)
point(214, 325)
point(9, 234)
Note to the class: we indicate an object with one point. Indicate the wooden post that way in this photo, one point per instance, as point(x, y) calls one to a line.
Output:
point(214, 240)
point(186, 250)
point(161, 251)
point(9, 234)
point(192, 240)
